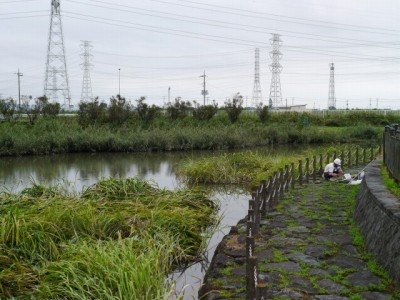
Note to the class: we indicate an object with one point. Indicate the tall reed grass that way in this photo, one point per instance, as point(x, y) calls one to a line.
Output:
point(245, 168)
point(49, 136)
point(117, 240)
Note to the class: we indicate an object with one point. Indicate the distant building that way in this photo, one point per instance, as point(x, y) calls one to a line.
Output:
point(297, 108)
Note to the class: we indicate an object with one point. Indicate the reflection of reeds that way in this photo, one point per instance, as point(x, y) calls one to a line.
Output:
point(118, 240)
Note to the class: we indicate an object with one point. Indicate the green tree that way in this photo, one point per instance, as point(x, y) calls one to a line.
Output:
point(119, 110)
point(32, 110)
point(234, 107)
point(7, 108)
point(146, 112)
point(92, 112)
point(48, 109)
point(179, 109)
point(263, 113)
point(204, 112)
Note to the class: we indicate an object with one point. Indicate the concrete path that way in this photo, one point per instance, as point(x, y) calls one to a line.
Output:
point(308, 248)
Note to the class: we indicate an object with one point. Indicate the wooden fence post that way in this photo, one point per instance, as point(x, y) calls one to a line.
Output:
point(251, 281)
point(256, 196)
point(327, 158)
point(342, 158)
point(314, 165)
point(356, 156)
point(269, 194)
point(286, 178)
point(292, 179)
point(263, 196)
point(275, 191)
point(307, 174)
point(281, 191)
point(349, 158)
point(261, 293)
point(364, 155)
point(321, 167)
point(300, 172)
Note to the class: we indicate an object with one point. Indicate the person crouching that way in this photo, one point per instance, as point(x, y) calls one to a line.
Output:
point(333, 169)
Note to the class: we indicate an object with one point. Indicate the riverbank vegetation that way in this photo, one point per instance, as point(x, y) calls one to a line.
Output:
point(249, 167)
point(119, 239)
point(390, 183)
point(49, 135)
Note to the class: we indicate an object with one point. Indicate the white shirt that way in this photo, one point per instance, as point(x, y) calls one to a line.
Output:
point(330, 168)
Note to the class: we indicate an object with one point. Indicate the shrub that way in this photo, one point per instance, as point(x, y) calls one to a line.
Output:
point(145, 112)
point(119, 110)
point(51, 109)
point(92, 112)
point(7, 108)
point(204, 112)
point(263, 113)
point(234, 107)
point(179, 109)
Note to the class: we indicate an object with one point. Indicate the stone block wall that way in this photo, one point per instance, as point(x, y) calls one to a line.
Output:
point(377, 213)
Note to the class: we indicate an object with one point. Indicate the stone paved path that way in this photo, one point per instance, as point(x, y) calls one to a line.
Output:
point(308, 249)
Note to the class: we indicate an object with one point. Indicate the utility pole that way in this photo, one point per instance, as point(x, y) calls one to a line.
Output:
point(204, 92)
point(332, 97)
point(119, 81)
point(19, 88)
point(169, 94)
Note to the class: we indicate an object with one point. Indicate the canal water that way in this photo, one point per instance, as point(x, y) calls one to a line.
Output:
point(75, 172)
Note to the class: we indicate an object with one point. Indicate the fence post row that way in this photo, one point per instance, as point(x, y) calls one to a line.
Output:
point(266, 196)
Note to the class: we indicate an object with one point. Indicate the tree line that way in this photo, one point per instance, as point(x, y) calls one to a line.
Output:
point(119, 110)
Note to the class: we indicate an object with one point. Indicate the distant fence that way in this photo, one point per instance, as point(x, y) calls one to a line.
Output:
point(391, 150)
point(268, 194)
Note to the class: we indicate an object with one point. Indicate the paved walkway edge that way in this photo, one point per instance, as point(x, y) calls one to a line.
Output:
point(377, 213)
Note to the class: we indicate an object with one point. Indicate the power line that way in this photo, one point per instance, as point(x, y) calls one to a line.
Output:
point(246, 27)
point(204, 36)
point(263, 18)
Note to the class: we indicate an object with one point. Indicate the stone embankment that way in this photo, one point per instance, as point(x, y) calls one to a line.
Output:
point(308, 248)
point(377, 214)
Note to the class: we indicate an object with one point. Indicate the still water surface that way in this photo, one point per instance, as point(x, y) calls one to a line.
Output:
point(78, 171)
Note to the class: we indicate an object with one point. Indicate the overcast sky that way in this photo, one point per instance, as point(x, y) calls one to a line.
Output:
point(170, 43)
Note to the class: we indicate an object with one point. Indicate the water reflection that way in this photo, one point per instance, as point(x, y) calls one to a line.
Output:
point(85, 169)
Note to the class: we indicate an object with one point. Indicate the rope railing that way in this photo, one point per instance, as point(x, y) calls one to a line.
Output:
point(266, 196)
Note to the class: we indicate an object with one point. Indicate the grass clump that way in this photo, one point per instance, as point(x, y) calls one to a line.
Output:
point(119, 239)
point(390, 183)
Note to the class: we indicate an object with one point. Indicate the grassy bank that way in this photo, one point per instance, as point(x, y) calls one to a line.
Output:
point(65, 135)
point(249, 167)
point(117, 240)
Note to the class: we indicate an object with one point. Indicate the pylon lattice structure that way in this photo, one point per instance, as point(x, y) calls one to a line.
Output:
point(331, 97)
point(86, 94)
point(257, 96)
point(56, 85)
point(275, 94)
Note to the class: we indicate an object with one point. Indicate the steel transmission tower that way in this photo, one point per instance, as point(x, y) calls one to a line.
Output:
point(86, 94)
point(257, 96)
point(56, 84)
point(331, 98)
point(275, 95)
